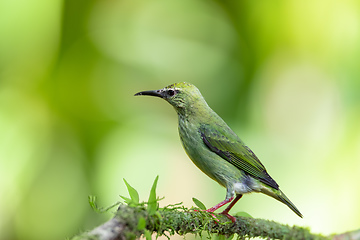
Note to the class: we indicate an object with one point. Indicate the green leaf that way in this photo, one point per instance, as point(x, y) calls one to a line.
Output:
point(134, 195)
point(92, 202)
point(230, 237)
point(243, 214)
point(147, 234)
point(152, 202)
point(126, 199)
point(199, 204)
point(158, 215)
point(141, 224)
point(219, 237)
point(223, 237)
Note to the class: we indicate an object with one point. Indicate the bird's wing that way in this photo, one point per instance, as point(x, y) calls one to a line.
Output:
point(232, 149)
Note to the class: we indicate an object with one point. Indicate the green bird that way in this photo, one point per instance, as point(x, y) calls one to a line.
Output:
point(216, 150)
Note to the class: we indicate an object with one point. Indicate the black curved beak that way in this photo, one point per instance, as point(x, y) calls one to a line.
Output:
point(155, 93)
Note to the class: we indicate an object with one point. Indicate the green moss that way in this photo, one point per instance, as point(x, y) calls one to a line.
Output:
point(145, 218)
point(179, 220)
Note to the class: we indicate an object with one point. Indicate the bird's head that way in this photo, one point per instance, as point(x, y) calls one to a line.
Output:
point(182, 96)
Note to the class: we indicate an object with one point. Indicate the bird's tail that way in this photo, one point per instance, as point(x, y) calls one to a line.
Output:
point(280, 196)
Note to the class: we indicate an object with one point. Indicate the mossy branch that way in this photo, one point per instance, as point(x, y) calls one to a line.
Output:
point(132, 222)
point(136, 218)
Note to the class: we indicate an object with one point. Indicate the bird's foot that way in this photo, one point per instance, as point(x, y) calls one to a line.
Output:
point(226, 211)
point(233, 219)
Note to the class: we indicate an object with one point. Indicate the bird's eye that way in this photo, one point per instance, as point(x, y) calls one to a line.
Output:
point(171, 92)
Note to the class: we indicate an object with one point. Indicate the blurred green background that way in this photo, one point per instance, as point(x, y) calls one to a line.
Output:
point(283, 74)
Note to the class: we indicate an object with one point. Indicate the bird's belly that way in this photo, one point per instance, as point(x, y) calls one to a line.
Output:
point(247, 184)
point(209, 162)
point(241, 188)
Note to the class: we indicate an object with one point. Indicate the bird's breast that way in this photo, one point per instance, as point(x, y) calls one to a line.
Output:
point(206, 160)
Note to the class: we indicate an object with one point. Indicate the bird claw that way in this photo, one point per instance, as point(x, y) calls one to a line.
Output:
point(233, 219)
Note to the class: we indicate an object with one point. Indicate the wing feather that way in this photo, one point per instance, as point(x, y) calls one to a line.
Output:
point(233, 150)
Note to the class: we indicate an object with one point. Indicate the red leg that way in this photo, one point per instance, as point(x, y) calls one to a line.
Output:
point(219, 205)
point(226, 211)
